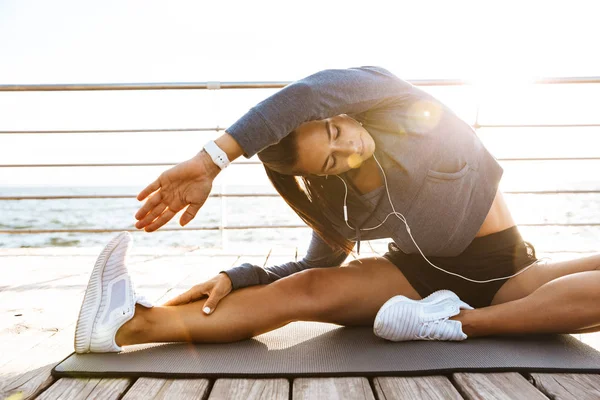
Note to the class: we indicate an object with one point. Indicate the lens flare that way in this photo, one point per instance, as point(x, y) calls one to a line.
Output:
point(354, 160)
point(423, 116)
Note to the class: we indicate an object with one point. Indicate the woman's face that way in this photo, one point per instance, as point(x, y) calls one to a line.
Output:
point(332, 146)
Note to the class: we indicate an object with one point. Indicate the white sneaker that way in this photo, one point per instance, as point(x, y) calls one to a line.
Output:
point(439, 295)
point(109, 299)
point(402, 319)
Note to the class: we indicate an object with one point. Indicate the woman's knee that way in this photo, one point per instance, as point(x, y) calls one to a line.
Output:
point(300, 285)
point(365, 281)
point(307, 284)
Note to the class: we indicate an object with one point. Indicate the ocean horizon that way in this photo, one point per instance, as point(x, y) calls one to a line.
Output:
point(110, 213)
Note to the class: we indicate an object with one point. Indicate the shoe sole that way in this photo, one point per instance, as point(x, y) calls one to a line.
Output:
point(93, 297)
point(440, 294)
point(435, 296)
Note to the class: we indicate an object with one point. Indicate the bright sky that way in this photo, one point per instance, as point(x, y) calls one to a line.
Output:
point(186, 41)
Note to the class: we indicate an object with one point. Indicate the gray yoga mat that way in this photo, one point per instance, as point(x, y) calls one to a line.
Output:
point(322, 349)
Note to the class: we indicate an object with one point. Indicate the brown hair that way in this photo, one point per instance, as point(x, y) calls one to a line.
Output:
point(306, 194)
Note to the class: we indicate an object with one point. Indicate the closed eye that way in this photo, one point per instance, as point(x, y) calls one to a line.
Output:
point(332, 136)
point(335, 136)
point(329, 160)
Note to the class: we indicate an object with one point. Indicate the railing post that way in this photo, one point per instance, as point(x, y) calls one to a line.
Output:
point(224, 244)
point(215, 87)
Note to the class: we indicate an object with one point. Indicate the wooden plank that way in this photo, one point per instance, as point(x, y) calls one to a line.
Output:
point(250, 389)
point(45, 311)
point(350, 388)
point(501, 386)
point(29, 374)
point(568, 386)
point(26, 385)
point(152, 388)
point(34, 311)
point(85, 388)
point(421, 387)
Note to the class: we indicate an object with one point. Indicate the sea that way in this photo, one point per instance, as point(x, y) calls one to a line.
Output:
point(118, 214)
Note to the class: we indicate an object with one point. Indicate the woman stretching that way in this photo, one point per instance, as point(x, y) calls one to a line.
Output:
point(358, 154)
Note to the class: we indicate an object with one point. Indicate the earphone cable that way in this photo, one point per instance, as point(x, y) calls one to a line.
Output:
point(403, 219)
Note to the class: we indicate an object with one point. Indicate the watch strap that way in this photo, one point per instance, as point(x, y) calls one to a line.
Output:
point(218, 156)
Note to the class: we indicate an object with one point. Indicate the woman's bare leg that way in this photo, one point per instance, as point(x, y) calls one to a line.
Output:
point(560, 297)
point(350, 295)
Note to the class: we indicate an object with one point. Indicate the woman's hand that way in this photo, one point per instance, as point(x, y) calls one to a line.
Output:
point(216, 288)
point(187, 184)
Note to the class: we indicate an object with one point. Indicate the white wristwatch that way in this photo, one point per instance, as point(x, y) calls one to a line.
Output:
point(218, 156)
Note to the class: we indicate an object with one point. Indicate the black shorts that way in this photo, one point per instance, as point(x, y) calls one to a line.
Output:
point(492, 256)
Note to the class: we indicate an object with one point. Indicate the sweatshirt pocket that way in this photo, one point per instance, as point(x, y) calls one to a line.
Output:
point(448, 173)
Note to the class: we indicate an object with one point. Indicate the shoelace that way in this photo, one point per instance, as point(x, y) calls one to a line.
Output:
point(430, 328)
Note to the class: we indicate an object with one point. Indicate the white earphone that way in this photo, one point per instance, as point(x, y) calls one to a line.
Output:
point(403, 219)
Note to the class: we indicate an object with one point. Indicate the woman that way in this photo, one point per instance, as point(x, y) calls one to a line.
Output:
point(375, 157)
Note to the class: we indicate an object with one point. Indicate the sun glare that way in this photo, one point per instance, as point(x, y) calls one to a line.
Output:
point(354, 160)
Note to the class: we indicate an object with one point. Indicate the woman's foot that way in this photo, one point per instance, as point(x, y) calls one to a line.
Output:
point(109, 299)
point(402, 319)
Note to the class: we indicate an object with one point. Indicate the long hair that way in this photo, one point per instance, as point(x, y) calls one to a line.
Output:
point(307, 195)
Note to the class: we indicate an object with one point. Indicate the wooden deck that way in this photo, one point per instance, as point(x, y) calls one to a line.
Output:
point(41, 291)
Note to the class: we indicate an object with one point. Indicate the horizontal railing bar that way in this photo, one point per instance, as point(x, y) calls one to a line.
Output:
point(552, 192)
point(477, 126)
point(166, 164)
point(142, 86)
point(125, 196)
point(212, 228)
point(215, 85)
point(132, 196)
point(550, 159)
point(567, 80)
point(217, 129)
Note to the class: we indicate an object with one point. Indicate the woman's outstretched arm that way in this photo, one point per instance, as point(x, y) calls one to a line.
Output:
point(321, 95)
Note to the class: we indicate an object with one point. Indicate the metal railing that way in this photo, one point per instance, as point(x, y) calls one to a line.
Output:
point(215, 85)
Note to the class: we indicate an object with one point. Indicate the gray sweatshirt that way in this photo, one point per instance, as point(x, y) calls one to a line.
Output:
point(440, 176)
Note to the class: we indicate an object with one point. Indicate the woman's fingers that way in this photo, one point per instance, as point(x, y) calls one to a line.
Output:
point(189, 214)
point(211, 303)
point(161, 220)
point(148, 205)
point(151, 216)
point(186, 297)
point(153, 187)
